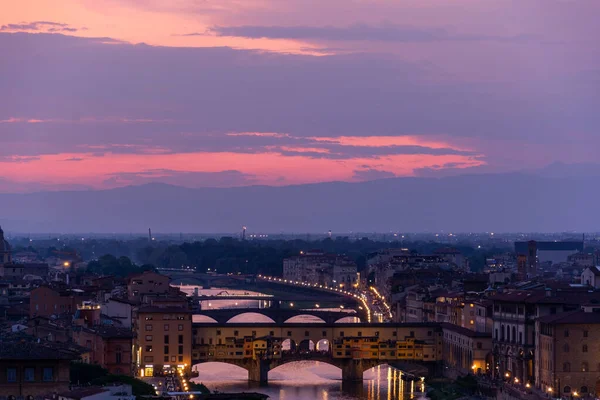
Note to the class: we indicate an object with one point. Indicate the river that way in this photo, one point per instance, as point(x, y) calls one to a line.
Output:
point(304, 379)
point(311, 380)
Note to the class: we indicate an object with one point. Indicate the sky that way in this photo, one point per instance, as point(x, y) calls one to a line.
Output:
point(222, 93)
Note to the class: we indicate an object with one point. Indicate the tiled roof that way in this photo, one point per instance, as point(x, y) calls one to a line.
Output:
point(595, 271)
point(464, 331)
point(572, 317)
point(155, 309)
point(27, 350)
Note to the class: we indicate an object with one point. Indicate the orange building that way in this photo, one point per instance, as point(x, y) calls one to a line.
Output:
point(164, 340)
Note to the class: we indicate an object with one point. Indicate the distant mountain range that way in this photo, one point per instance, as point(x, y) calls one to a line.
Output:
point(526, 202)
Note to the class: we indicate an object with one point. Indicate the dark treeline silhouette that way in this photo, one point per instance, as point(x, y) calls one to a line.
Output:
point(231, 255)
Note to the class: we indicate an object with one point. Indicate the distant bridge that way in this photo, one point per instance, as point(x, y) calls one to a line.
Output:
point(355, 348)
point(278, 315)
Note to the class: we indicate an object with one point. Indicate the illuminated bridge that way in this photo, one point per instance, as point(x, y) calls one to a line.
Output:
point(276, 315)
point(415, 349)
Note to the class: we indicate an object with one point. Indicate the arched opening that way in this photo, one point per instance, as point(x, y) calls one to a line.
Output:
point(305, 319)
point(215, 371)
point(567, 389)
point(348, 320)
point(311, 371)
point(288, 346)
point(306, 346)
point(323, 346)
point(251, 317)
point(203, 319)
point(584, 389)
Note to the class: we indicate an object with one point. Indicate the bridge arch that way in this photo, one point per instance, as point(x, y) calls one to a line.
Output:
point(204, 319)
point(350, 319)
point(251, 317)
point(323, 345)
point(305, 319)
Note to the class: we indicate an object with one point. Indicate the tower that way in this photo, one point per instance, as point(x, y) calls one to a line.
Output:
point(243, 233)
point(150, 234)
point(531, 258)
point(5, 251)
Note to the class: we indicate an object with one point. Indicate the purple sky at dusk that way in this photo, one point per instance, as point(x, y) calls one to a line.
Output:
point(107, 93)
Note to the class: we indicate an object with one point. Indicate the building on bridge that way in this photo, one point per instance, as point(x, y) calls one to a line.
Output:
point(352, 347)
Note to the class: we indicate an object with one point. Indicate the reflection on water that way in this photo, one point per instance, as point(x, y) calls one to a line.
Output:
point(312, 380)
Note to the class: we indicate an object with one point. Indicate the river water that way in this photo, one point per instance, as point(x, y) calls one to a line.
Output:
point(311, 380)
point(303, 380)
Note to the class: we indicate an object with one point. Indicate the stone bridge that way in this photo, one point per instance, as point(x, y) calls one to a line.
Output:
point(278, 315)
point(416, 349)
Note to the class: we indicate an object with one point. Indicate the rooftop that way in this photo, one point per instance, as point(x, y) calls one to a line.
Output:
point(464, 331)
point(161, 310)
point(572, 317)
point(24, 349)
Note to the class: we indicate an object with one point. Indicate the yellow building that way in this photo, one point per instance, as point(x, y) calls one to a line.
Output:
point(567, 348)
point(164, 340)
point(466, 351)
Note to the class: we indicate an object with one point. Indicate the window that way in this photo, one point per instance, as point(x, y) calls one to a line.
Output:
point(566, 334)
point(29, 374)
point(567, 389)
point(235, 333)
point(148, 338)
point(218, 331)
point(180, 358)
point(173, 359)
point(324, 333)
point(180, 339)
point(148, 327)
point(479, 345)
point(166, 339)
point(566, 348)
point(180, 350)
point(359, 334)
point(306, 333)
point(253, 333)
point(271, 333)
point(11, 374)
point(166, 327)
point(118, 356)
point(166, 350)
point(180, 327)
point(584, 367)
point(585, 334)
point(166, 358)
point(584, 348)
point(583, 389)
point(48, 374)
point(566, 367)
point(342, 334)
point(289, 333)
point(149, 348)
